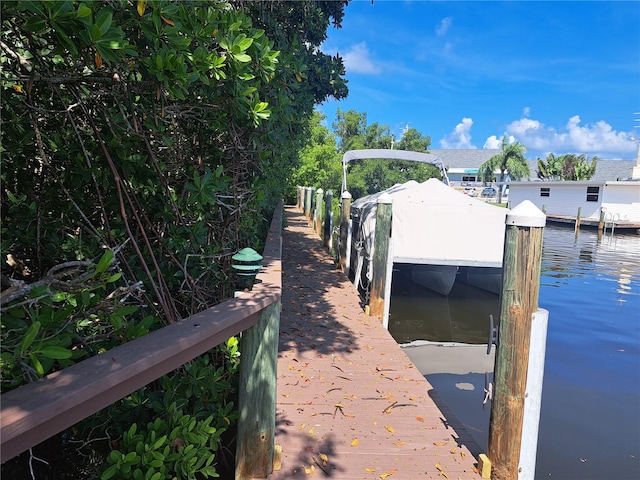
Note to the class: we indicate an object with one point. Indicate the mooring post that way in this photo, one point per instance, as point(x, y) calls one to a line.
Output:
point(601, 221)
point(257, 396)
point(317, 225)
point(578, 220)
point(312, 206)
point(345, 231)
point(327, 239)
point(298, 197)
point(307, 201)
point(519, 300)
point(380, 256)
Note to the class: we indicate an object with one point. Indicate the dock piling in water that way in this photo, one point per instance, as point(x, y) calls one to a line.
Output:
point(518, 302)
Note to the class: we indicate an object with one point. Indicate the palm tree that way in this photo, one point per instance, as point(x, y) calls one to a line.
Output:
point(511, 159)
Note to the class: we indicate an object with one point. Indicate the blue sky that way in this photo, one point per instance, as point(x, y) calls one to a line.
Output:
point(560, 77)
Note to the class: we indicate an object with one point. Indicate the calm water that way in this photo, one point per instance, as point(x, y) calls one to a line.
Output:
point(590, 418)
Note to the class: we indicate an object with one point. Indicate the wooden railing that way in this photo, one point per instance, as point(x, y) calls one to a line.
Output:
point(36, 411)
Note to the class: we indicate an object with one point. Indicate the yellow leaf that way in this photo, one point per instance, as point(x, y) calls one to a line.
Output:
point(308, 470)
point(399, 444)
point(311, 431)
point(370, 470)
point(462, 454)
point(420, 419)
point(98, 60)
point(17, 88)
point(324, 457)
point(454, 450)
point(388, 474)
point(389, 429)
point(141, 6)
point(438, 466)
point(167, 21)
point(355, 442)
point(303, 426)
point(439, 444)
point(298, 77)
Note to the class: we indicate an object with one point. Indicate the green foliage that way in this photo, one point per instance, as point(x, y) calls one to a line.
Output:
point(53, 324)
point(369, 176)
point(180, 447)
point(162, 130)
point(566, 167)
point(320, 163)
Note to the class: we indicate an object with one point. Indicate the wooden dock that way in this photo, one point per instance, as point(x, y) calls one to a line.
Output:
point(350, 404)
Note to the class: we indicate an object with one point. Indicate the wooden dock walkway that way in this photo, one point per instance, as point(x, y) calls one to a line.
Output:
point(350, 404)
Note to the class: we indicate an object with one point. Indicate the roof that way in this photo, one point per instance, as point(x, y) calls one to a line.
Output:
point(606, 170)
point(464, 158)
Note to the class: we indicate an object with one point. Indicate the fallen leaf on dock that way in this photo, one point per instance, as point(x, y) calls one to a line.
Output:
point(420, 419)
point(453, 451)
point(400, 444)
point(439, 467)
point(388, 474)
point(355, 442)
point(439, 444)
point(370, 470)
point(389, 429)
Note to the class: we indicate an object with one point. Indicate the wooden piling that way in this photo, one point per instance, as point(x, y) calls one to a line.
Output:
point(307, 201)
point(257, 396)
point(317, 222)
point(327, 239)
point(380, 255)
point(519, 300)
point(577, 226)
point(345, 218)
point(312, 206)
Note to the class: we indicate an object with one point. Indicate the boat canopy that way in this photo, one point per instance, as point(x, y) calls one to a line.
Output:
point(386, 154)
point(434, 224)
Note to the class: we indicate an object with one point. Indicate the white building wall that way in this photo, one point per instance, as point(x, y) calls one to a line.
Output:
point(622, 199)
point(565, 198)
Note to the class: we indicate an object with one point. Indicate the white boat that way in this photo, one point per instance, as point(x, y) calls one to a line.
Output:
point(435, 229)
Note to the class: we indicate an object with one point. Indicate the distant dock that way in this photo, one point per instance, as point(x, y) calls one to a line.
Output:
point(622, 226)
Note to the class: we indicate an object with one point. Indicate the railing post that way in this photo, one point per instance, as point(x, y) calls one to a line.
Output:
point(519, 300)
point(327, 236)
point(380, 256)
point(345, 218)
point(317, 223)
point(312, 206)
point(257, 396)
point(300, 197)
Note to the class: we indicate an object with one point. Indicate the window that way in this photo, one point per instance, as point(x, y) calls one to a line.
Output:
point(592, 194)
point(544, 191)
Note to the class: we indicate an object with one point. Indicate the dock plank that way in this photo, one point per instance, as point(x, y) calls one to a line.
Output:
point(350, 403)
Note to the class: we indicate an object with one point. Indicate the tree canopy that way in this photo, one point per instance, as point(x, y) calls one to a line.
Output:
point(142, 144)
point(370, 176)
point(566, 167)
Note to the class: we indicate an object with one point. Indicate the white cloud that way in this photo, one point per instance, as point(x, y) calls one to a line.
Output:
point(526, 111)
point(357, 60)
point(460, 137)
point(591, 139)
point(444, 26)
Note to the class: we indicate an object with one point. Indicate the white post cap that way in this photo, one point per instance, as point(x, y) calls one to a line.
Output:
point(526, 214)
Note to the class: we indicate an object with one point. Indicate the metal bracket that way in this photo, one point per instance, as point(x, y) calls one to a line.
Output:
point(493, 335)
point(488, 390)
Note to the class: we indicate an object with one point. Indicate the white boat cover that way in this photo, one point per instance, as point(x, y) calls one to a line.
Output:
point(434, 224)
